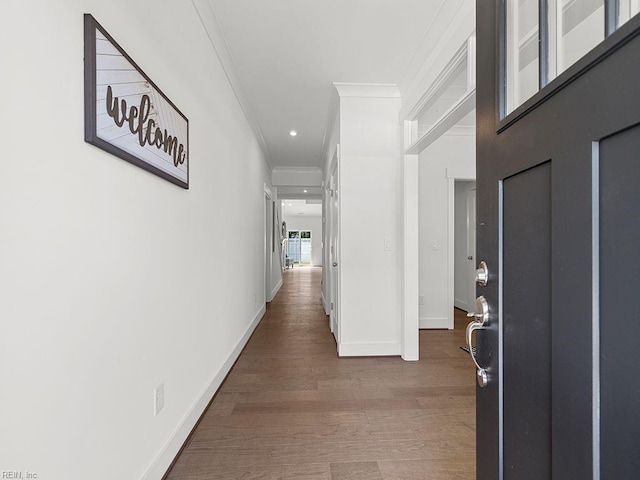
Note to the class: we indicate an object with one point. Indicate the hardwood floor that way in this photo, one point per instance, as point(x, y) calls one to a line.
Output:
point(291, 409)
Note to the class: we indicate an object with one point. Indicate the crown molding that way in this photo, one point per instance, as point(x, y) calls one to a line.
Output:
point(218, 41)
point(455, 22)
point(440, 84)
point(367, 90)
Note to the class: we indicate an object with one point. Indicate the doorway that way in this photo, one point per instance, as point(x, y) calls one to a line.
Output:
point(464, 290)
point(300, 247)
point(439, 150)
point(268, 243)
point(304, 224)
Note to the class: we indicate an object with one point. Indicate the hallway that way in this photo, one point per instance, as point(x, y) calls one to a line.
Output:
point(291, 409)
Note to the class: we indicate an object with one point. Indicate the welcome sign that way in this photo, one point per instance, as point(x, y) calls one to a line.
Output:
point(127, 115)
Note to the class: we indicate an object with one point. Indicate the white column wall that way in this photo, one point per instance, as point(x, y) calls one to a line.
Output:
point(370, 215)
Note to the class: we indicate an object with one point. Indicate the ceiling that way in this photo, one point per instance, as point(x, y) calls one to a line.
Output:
point(286, 54)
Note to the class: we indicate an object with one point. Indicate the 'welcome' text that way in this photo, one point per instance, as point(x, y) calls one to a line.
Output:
point(144, 127)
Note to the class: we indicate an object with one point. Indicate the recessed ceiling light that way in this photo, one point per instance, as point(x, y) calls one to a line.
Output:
point(290, 205)
point(304, 191)
point(293, 133)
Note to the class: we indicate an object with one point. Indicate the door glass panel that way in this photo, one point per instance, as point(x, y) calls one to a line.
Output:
point(575, 27)
point(627, 9)
point(305, 247)
point(522, 77)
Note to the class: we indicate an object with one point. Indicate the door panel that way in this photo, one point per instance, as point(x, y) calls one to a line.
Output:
point(562, 395)
point(619, 243)
point(527, 323)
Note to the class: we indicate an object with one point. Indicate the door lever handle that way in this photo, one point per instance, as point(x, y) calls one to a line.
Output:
point(481, 320)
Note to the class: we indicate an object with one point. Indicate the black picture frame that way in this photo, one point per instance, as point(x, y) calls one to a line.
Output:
point(143, 127)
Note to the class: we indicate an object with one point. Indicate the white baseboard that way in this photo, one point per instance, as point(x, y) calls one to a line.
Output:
point(369, 349)
point(275, 290)
point(325, 305)
point(159, 466)
point(431, 322)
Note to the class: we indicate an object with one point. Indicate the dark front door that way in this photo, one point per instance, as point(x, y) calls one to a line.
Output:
point(558, 224)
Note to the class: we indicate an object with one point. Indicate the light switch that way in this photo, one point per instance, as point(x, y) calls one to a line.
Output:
point(387, 244)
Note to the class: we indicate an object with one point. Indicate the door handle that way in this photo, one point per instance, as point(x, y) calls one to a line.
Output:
point(470, 257)
point(334, 264)
point(481, 321)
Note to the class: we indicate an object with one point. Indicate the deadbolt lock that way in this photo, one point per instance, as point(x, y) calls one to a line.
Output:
point(482, 274)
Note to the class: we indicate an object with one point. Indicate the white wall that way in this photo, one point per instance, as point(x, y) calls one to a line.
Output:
point(299, 176)
point(114, 280)
point(370, 212)
point(450, 153)
point(313, 223)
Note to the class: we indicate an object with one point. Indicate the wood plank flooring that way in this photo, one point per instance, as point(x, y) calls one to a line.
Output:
point(291, 409)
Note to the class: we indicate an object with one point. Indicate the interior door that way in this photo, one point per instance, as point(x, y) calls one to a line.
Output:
point(558, 215)
point(335, 250)
point(471, 241)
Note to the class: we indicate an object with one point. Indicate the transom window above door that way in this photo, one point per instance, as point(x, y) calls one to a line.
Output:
point(543, 38)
